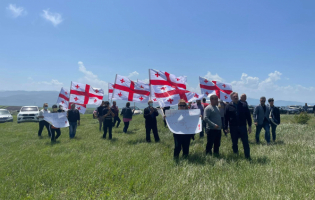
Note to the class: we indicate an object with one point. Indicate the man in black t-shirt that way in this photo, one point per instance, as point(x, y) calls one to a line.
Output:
point(60, 109)
point(100, 115)
point(108, 114)
point(73, 116)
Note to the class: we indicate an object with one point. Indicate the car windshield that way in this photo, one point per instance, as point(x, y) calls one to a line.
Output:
point(4, 112)
point(24, 109)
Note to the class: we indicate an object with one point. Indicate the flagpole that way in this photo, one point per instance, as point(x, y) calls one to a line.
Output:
point(149, 85)
point(114, 88)
point(58, 98)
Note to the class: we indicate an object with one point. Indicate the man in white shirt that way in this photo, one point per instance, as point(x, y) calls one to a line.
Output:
point(42, 122)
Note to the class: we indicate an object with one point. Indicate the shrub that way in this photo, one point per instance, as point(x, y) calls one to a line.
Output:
point(302, 118)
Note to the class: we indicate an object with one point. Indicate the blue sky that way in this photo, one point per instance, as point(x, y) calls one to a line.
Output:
point(261, 47)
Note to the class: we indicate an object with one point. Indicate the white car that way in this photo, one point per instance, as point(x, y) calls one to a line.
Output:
point(137, 110)
point(28, 114)
point(5, 116)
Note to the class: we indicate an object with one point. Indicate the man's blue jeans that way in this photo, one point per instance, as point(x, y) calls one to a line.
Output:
point(266, 126)
point(72, 129)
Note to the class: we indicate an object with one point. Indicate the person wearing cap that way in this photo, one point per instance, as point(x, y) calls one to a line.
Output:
point(261, 119)
point(274, 118)
point(73, 116)
point(182, 141)
point(53, 129)
point(42, 122)
point(212, 117)
point(60, 109)
point(237, 116)
point(150, 113)
point(100, 116)
point(108, 114)
point(199, 106)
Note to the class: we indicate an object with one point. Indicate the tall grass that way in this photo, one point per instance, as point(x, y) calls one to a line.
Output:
point(127, 167)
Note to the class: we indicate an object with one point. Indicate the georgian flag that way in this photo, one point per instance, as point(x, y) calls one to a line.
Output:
point(128, 90)
point(63, 98)
point(222, 90)
point(147, 87)
point(84, 94)
point(169, 89)
point(80, 107)
point(110, 91)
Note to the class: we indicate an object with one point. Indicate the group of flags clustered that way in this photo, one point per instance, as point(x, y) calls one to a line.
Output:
point(163, 88)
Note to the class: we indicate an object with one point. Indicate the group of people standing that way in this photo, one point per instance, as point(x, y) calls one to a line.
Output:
point(73, 116)
point(232, 117)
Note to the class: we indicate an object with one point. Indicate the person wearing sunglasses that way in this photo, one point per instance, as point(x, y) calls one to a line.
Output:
point(261, 120)
point(182, 141)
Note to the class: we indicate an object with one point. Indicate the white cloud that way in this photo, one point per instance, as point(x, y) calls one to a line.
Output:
point(92, 79)
point(16, 11)
point(214, 77)
point(255, 88)
point(52, 82)
point(132, 74)
point(54, 18)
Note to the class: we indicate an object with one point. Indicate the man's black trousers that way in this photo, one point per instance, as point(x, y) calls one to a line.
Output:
point(107, 124)
point(181, 141)
point(148, 129)
point(213, 140)
point(41, 126)
point(240, 132)
point(118, 121)
point(53, 133)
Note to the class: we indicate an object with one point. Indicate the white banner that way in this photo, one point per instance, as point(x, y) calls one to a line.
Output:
point(58, 120)
point(184, 121)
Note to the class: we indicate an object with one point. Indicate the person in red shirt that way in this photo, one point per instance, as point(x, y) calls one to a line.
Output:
point(205, 104)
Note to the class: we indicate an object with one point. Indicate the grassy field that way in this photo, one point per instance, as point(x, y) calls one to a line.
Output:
point(127, 167)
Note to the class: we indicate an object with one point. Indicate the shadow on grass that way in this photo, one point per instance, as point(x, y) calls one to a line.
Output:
point(278, 142)
point(137, 141)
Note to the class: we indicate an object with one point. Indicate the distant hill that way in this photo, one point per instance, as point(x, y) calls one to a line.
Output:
point(22, 98)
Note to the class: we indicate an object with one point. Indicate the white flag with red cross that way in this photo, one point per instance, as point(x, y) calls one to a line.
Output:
point(110, 91)
point(84, 94)
point(128, 90)
point(63, 99)
point(169, 89)
point(222, 90)
point(147, 86)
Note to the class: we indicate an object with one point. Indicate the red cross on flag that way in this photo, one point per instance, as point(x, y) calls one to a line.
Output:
point(80, 107)
point(222, 90)
point(126, 89)
point(146, 86)
point(110, 91)
point(84, 94)
point(63, 99)
point(169, 89)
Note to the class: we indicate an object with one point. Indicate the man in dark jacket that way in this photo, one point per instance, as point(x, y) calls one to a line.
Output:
point(314, 110)
point(73, 116)
point(116, 111)
point(261, 120)
point(100, 115)
point(108, 115)
point(150, 114)
point(274, 118)
point(165, 108)
point(237, 116)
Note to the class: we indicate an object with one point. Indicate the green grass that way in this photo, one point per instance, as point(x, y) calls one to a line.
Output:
point(127, 167)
